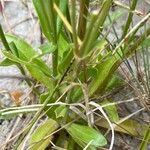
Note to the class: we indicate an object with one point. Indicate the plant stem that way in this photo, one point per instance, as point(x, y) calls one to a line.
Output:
point(84, 5)
point(94, 26)
point(73, 23)
point(130, 16)
point(55, 53)
point(146, 139)
point(4, 41)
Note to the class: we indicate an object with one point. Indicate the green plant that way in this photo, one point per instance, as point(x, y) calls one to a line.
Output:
point(84, 65)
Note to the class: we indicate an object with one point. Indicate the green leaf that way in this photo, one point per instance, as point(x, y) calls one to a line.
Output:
point(71, 144)
point(42, 66)
point(14, 58)
point(45, 14)
point(115, 82)
point(47, 48)
point(44, 96)
point(7, 62)
point(50, 112)
point(22, 46)
point(64, 64)
point(100, 45)
point(146, 140)
point(63, 45)
point(62, 141)
point(76, 94)
point(37, 68)
point(37, 140)
point(83, 135)
point(146, 43)
point(14, 49)
point(111, 111)
point(104, 74)
point(61, 111)
point(90, 73)
point(39, 75)
point(63, 8)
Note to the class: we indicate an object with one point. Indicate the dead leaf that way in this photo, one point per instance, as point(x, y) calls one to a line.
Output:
point(16, 96)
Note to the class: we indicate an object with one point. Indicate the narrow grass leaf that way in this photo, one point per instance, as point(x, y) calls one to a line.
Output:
point(146, 140)
point(95, 25)
point(63, 8)
point(46, 17)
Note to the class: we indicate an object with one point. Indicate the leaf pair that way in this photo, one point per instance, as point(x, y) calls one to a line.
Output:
point(83, 135)
point(25, 55)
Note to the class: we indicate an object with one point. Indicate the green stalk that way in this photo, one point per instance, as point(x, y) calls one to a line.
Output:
point(55, 62)
point(73, 23)
point(87, 36)
point(54, 31)
point(129, 19)
point(4, 41)
point(94, 27)
point(84, 5)
point(146, 67)
point(146, 139)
